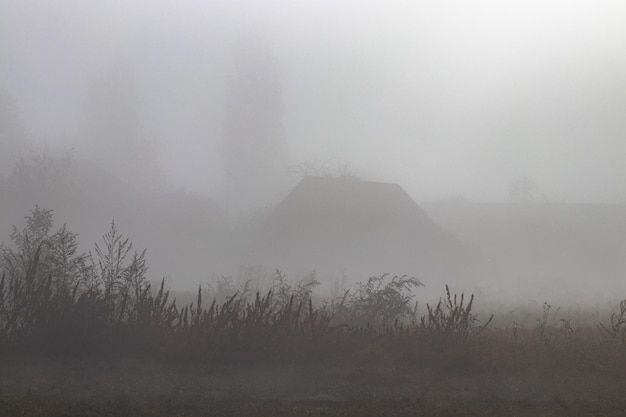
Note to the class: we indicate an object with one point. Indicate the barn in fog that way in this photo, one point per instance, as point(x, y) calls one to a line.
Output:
point(362, 228)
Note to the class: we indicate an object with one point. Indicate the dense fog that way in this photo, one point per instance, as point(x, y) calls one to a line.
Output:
point(481, 144)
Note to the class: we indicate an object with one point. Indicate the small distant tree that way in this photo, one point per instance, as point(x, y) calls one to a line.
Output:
point(525, 190)
point(323, 169)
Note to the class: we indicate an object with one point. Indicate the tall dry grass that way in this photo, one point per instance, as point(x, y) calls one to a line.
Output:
point(54, 300)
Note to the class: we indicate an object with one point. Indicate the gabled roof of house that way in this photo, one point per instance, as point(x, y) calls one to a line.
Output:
point(346, 205)
point(365, 226)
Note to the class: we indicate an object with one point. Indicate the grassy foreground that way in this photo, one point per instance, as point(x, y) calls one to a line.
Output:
point(90, 336)
point(36, 386)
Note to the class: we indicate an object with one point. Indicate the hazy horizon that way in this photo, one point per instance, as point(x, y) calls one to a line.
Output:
point(445, 98)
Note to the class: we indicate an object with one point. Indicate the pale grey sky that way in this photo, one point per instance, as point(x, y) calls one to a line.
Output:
point(445, 97)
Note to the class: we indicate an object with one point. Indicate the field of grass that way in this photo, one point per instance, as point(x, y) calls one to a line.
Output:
point(84, 335)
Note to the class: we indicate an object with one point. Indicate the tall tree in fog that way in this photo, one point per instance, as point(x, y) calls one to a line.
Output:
point(12, 134)
point(254, 150)
point(112, 133)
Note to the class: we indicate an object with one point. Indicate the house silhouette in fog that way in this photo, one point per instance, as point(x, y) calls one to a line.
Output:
point(362, 228)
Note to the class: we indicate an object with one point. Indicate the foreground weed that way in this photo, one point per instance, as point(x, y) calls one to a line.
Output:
point(615, 331)
point(451, 316)
point(379, 302)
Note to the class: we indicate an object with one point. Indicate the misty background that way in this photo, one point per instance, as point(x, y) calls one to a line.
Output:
point(187, 119)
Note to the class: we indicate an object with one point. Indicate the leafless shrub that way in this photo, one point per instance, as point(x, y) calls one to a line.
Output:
point(615, 331)
point(285, 292)
point(451, 316)
point(379, 302)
